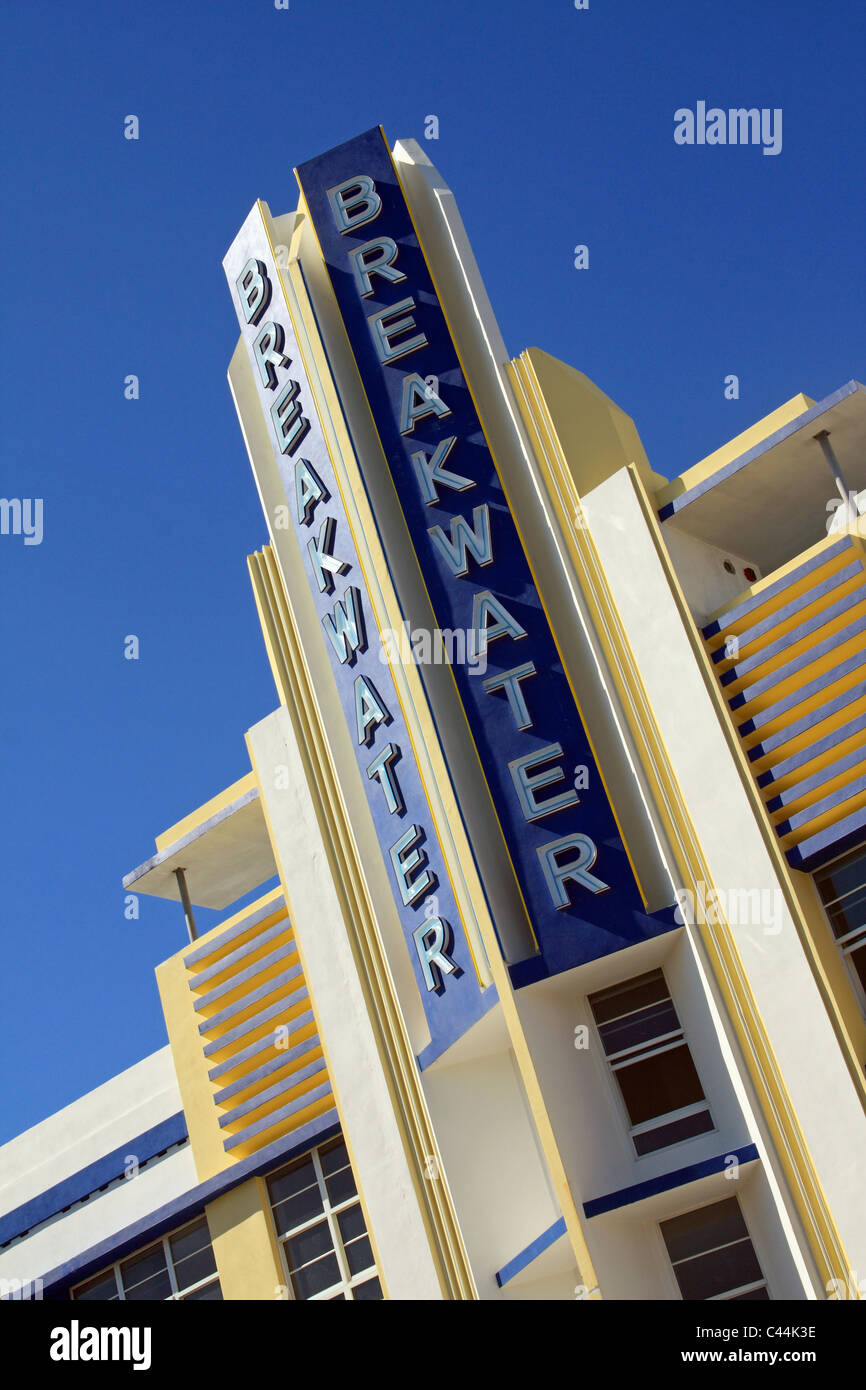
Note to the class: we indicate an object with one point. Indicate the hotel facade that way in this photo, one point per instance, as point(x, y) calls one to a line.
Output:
point(542, 969)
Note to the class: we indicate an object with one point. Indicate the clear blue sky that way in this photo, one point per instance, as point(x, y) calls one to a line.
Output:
point(556, 128)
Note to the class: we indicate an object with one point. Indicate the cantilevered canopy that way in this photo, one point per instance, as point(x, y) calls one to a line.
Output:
point(223, 856)
point(771, 503)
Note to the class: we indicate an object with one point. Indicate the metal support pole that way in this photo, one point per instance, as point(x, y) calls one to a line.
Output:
point(187, 905)
point(823, 438)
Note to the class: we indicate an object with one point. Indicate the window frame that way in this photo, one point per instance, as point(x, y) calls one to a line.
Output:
point(177, 1295)
point(730, 1294)
point(331, 1213)
point(618, 1061)
point(844, 951)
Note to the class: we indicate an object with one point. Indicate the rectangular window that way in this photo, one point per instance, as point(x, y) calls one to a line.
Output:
point(651, 1062)
point(712, 1255)
point(179, 1266)
point(321, 1227)
point(842, 889)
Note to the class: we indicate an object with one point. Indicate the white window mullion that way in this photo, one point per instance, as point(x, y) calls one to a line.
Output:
point(641, 1008)
point(201, 1283)
point(670, 1117)
point(169, 1264)
point(851, 893)
point(713, 1250)
point(733, 1293)
point(333, 1225)
point(653, 1051)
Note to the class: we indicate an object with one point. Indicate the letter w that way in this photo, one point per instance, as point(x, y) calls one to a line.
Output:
point(465, 541)
point(345, 626)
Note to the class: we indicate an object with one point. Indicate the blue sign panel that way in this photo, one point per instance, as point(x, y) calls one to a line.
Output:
point(571, 864)
point(441, 960)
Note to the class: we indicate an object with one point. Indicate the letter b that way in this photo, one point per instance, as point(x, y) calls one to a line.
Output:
point(254, 290)
point(354, 202)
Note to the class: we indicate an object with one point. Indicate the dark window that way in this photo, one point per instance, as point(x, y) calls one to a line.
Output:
point(180, 1265)
point(712, 1255)
point(842, 889)
point(321, 1227)
point(102, 1288)
point(651, 1062)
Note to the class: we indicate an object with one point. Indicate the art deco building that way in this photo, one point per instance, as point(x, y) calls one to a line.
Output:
point(542, 967)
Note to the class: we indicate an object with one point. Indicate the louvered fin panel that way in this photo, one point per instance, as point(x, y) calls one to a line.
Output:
point(258, 1032)
point(790, 655)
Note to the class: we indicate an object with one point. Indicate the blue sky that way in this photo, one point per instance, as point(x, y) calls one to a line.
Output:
point(555, 128)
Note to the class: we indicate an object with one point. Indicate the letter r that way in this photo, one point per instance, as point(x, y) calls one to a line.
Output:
point(575, 870)
point(431, 939)
point(375, 258)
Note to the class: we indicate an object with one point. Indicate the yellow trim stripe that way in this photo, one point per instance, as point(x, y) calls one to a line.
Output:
point(398, 1062)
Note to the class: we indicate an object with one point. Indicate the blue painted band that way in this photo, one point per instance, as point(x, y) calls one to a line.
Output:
point(575, 916)
point(57, 1281)
point(799, 663)
point(89, 1179)
point(531, 1252)
point(748, 1153)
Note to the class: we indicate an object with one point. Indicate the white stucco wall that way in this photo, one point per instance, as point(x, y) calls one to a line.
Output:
point(701, 571)
point(492, 1156)
point(797, 1023)
point(354, 1064)
point(105, 1119)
